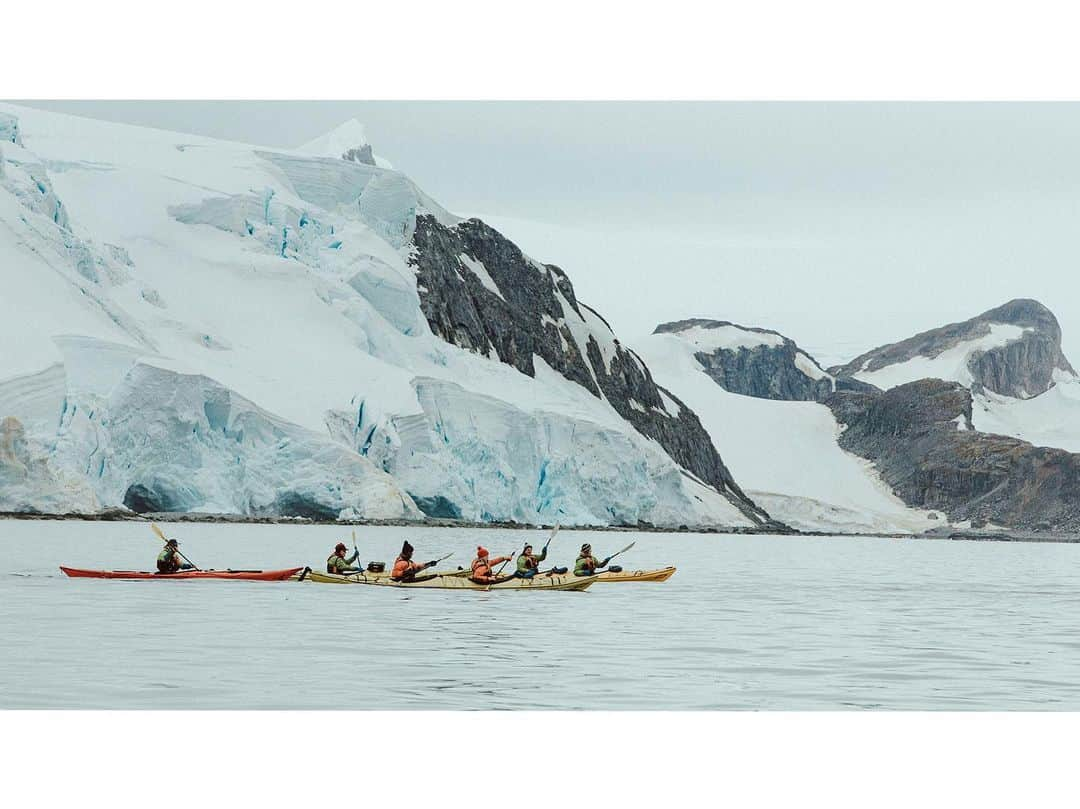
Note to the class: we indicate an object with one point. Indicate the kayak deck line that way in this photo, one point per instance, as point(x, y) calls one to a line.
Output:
point(218, 575)
point(550, 583)
point(608, 577)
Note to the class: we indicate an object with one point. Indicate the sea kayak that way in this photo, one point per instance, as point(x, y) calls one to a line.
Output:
point(663, 574)
point(456, 582)
point(228, 575)
point(660, 574)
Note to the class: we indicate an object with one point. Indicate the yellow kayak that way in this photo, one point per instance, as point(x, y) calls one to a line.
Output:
point(456, 582)
point(663, 574)
point(660, 574)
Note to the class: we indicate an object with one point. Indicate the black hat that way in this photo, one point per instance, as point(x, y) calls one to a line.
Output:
point(406, 548)
point(173, 542)
point(528, 546)
point(586, 547)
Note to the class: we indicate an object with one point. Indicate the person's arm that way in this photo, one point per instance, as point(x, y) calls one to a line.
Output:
point(353, 558)
point(523, 564)
point(543, 555)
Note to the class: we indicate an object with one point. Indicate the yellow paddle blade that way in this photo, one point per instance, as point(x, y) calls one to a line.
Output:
point(156, 530)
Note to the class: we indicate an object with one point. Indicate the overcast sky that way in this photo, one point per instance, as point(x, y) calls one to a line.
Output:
point(843, 225)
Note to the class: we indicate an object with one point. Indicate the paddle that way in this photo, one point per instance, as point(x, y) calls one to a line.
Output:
point(497, 572)
point(624, 550)
point(440, 559)
point(554, 531)
point(165, 539)
point(356, 552)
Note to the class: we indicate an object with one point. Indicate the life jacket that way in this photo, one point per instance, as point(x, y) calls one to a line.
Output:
point(481, 569)
point(402, 568)
point(331, 565)
point(585, 565)
point(531, 562)
point(167, 562)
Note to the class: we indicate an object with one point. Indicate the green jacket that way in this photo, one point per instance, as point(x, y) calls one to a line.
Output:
point(337, 564)
point(525, 563)
point(585, 565)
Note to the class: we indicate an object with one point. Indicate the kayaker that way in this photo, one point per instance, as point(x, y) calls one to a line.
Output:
point(169, 560)
point(528, 563)
point(483, 567)
point(337, 563)
point(405, 569)
point(586, 564)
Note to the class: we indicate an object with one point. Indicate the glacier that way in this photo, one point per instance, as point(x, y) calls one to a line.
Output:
point(192, 324)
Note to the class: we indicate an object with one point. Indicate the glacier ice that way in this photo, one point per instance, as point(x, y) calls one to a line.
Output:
point(226, 328)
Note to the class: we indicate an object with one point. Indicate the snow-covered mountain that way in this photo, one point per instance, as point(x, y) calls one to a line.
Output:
point(975, 422)
point(756, 393)
point(1011, 360)
point(198, 325)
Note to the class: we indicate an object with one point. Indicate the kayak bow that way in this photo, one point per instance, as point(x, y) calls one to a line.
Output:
point(226, 575)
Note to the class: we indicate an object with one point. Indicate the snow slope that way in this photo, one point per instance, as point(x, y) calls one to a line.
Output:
point(203, 325)
point(784, 453)
point(950, 365)
point(1051, 419)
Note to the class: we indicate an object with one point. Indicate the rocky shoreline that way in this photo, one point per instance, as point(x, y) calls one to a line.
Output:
point(944, 533)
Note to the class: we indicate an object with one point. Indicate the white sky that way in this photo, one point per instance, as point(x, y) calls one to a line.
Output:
point(843, 225)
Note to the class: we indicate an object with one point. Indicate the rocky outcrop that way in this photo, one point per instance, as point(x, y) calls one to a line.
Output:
point(1021, 367)
point(480, 292)
point(920, 438)
point(757, 362)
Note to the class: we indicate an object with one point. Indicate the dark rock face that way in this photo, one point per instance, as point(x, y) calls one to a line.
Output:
point(1023, 367)
point(156, 495)
point(764, 371)
point(360, 155)
point(535, 312)
point(919, 436)
point(437, 506)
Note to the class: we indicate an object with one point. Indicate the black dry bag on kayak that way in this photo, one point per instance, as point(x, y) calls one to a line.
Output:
point(614, 569)
point(558, 571)
point(376, 567)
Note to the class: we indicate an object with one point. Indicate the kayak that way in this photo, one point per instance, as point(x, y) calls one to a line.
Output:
point(227, 575)
point(453, 582)
point(661, 574)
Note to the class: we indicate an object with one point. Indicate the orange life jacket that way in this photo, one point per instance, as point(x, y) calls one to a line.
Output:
point(481, 569)
point(402, 567)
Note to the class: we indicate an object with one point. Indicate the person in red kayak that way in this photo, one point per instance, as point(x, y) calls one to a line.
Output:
point(483, 567)
point(337, 563)
point(169, 560)
point(405, 569)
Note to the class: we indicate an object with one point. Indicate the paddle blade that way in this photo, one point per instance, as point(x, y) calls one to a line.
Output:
point(158, 531)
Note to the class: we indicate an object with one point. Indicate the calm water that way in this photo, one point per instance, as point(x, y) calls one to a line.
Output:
point(773, 623)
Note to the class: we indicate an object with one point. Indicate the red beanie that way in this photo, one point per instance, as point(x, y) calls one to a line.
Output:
point(481, 551)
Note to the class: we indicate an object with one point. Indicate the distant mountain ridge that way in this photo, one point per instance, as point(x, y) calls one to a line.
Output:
point(925, 411)
point(1018, 360)
point(753, 361)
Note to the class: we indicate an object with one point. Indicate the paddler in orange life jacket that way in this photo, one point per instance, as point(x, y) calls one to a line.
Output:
point(405, 569)
point(337, 563)
point(169, 560)
point(483, 566)
point(586, 563)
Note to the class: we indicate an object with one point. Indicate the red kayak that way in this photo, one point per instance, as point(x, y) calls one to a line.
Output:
point(237, 575)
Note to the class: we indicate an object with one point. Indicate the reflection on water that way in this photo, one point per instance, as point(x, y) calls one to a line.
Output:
point(774, 623)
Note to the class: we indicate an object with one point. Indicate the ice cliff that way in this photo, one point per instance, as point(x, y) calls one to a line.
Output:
point(198, 325)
